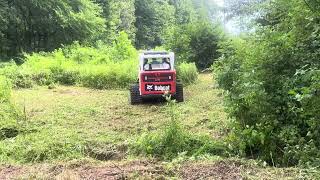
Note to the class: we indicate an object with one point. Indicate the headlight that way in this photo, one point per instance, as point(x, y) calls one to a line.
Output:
point(170, 77)
point(145, 78)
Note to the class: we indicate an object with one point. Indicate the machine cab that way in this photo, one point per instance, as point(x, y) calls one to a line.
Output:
point(156, 61)
point(157, 74)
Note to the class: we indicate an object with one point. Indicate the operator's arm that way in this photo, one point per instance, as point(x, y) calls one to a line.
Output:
point(146, 67)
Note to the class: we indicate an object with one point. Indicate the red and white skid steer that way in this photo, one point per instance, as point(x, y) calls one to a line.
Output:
point(157, 76)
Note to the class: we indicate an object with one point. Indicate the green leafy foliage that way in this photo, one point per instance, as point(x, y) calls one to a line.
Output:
point(187, 73)
point(43, 146)
point(196, 42)
point(119, 16)
point(104, 67)
point(272, 80)
point(101, 67)
point(153, 18)
point(9, 115)
point(5, 90)
point(35, 25)
point(44, 26)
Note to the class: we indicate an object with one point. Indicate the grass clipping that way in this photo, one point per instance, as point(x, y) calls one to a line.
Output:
point(173, 139)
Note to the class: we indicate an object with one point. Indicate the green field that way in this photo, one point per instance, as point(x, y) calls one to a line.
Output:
point(74, 132)
point(251, 76)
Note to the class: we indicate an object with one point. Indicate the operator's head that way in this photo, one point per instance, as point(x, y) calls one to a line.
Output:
point(164, 60)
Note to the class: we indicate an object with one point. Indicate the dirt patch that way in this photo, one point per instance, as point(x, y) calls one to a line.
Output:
point(74, 91)
point(130, 170)
point(106, 152)
point(68, 92)
point(10, 132)
point(9, 172)
point(221, 170)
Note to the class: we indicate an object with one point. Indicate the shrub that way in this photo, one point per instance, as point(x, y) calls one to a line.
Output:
point(5, 90)
point(197, 42)
point(187, 73)
point(20, 78)
point(43, 78)
point(114, 75)
point(8, 113)
point(23, 80)
point(65, 76)
point(226, 69)
point(272, 83)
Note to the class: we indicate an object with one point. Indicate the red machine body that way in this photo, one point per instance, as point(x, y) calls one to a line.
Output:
point(157, 82)
point(157, 77)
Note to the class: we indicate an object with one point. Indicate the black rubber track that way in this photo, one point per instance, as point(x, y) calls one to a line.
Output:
point(179, 93)
point(135, 97)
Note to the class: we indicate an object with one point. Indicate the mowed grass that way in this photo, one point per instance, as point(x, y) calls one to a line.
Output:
point(63, 123)
point(74, 133)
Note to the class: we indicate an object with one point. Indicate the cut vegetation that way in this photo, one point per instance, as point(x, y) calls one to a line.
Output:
point(75, 132)
point(66, 68)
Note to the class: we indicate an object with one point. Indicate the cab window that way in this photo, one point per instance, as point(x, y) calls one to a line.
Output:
point(156, 64)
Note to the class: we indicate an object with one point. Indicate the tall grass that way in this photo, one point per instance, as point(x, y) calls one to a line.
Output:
point(9, 115)
point(187, 73)
point(45, 145)
point(5, 90)
point(168, 142)
point(97, 67)
point(102, 67)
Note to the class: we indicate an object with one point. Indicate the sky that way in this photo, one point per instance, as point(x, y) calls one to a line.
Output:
point(219, 2)
point(230, 26)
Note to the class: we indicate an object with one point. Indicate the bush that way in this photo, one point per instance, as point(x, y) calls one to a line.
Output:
point(173, 139)
point(5, 90)
point(187, 73)
point(8, 112)
point(272, 83)
point(20, 78)
point(226, 69)
point(43, 78)
point(196, 43)
point(64, 76)
point(9, 115)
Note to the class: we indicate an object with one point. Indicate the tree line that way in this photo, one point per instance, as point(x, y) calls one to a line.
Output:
point(28, 26)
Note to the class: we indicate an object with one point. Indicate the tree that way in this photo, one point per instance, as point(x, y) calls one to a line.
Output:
point(184, 11)
point(197, 42)
point(153, 19)
point(3, 25)
point(36, 25)
point(242, 12)
point(196, 33)
point(119, 16)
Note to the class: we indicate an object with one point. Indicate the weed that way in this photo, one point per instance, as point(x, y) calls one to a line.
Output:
point(173, 140)
point(187, 73)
